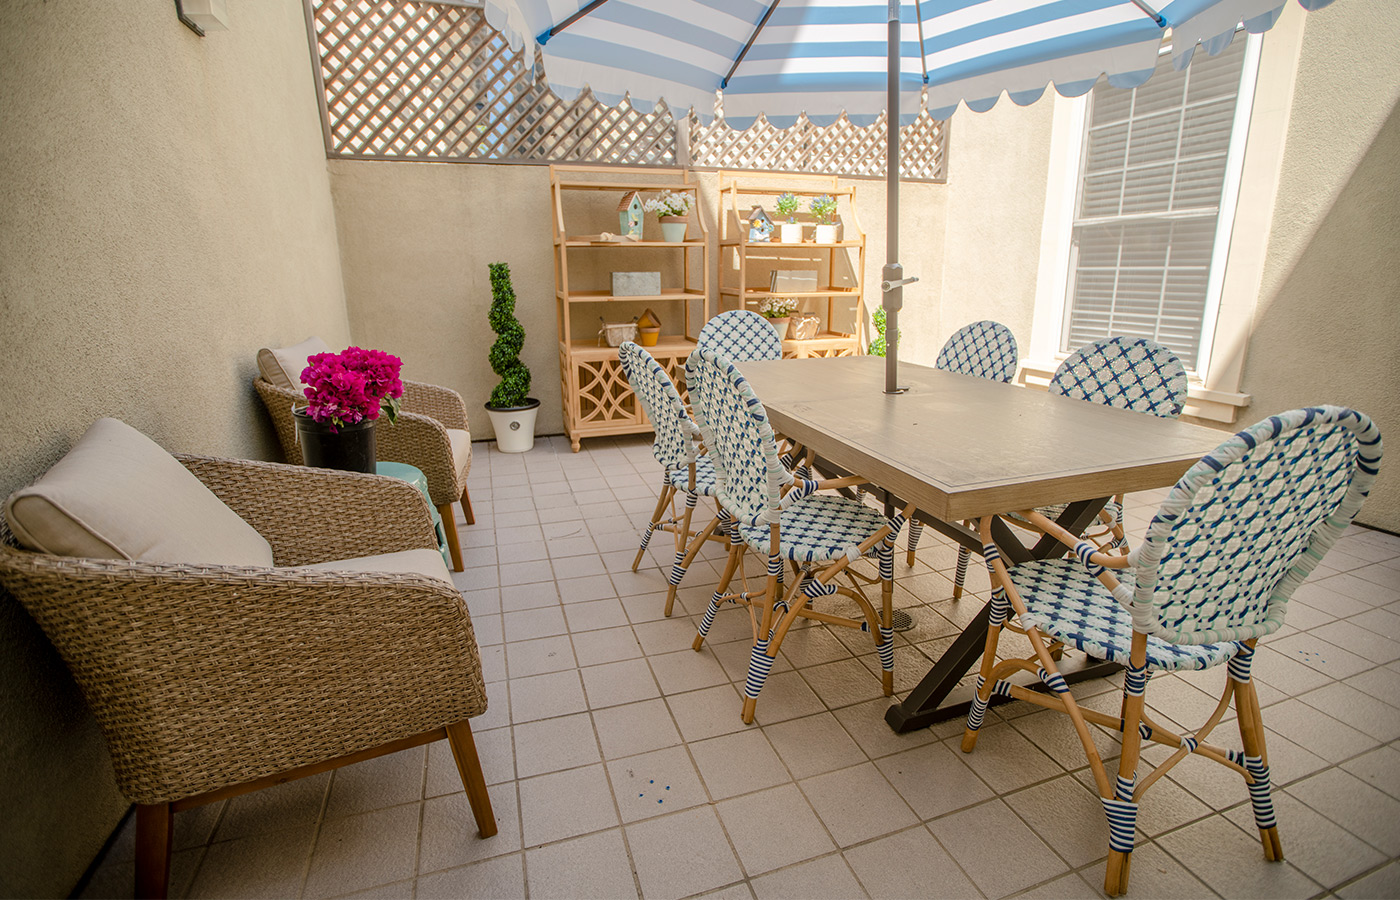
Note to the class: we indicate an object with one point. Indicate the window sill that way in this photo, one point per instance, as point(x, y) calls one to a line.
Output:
point(1201, 402)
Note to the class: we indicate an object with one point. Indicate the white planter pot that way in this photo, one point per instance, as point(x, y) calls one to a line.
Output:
point(826, 234)
point(781, 326)
point(673, 229)
point(791, 232)
point(515, 427)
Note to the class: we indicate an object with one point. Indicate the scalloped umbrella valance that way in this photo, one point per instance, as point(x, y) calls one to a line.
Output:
point(785, 58)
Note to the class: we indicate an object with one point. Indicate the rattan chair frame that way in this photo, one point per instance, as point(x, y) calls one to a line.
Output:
point(1138, 596)
point(211, 681)
point(419, 438)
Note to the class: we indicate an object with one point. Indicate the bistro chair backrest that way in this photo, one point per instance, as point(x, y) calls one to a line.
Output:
point(983, 349)
point(1129, 373)
point(674, 444)
point(1245, 525)
point(735, 427)
point(740, 335)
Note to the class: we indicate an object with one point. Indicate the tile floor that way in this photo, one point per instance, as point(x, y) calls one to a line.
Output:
point(618, 766)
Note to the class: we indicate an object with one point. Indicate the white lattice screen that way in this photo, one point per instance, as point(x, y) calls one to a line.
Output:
point(408, 79)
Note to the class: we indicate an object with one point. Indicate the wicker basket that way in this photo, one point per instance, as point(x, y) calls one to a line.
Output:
point(617, 335)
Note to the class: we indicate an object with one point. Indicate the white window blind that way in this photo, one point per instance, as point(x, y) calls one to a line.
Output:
point(1153, 171)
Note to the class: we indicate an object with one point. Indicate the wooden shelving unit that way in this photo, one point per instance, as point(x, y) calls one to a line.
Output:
point(741, 287)
point(597, 398)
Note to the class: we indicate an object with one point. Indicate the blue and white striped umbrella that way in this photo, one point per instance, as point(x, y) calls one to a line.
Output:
point(823, 57)
point(784, 58)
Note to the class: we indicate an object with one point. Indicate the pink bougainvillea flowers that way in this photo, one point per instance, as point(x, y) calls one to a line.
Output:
point(349, 387)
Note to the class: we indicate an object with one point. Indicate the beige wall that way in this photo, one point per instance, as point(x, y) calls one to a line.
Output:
point(1327, 323)
point(165, 212)
point(416, 239)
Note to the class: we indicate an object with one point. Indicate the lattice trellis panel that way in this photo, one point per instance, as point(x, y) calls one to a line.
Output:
point(836, 149)
point(416, 80)
point(411, 79)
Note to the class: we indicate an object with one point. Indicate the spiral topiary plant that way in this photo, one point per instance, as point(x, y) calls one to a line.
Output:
point(877, 346)
point(505, 353)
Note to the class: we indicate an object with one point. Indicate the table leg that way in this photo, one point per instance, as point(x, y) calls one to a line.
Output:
point(936, 697)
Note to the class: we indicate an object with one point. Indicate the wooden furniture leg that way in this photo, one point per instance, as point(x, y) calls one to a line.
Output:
point(449, 526)
point(459, 738)
point(467, 506)
point(154, 827)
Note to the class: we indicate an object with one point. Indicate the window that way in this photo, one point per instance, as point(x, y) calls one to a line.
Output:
point(1158, 176)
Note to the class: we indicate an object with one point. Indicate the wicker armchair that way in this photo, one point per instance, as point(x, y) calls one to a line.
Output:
point(212, 681)
point(432, 433)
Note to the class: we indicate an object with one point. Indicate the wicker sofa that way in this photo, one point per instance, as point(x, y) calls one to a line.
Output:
point(432, 432)
point(237, 624)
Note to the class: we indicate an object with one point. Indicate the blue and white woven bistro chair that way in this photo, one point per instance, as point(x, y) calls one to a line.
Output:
point(741, 335)
point(787, 521)
point(983, 349)
point(682, 467)
point(1231, 542)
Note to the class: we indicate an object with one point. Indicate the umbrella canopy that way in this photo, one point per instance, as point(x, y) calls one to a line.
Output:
point(823, 57)
point(784, 58)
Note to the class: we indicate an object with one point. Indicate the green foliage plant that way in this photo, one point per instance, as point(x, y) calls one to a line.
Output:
point(505, 353)
point(787, 206)
point(824, 209)
point(877, 346)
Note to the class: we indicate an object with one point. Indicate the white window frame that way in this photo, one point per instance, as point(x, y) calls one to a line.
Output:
point(1253, 161)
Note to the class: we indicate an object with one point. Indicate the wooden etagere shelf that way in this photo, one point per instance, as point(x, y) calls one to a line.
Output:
point(597, 397)
point(744, 264)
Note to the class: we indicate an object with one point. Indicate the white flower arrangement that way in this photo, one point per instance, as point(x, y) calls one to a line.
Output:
point(670, 203)
point(777, 307)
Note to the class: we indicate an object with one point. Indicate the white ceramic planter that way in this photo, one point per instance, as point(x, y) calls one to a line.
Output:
point(826, 234)
point(673, 229)
point(791, 232)
point(515, 427)
point(781, 326)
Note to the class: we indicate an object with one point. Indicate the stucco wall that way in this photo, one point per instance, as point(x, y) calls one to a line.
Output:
point(165, 212)
point(1328, 315)
point(416, 238)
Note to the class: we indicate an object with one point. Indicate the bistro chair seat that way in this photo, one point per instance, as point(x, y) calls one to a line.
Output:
point(1068, 604)
point(1240, 531)
point(706, 481)
point(818, 528)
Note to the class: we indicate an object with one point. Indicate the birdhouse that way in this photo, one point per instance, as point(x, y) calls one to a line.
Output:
point(629, 214)
point(760, 225)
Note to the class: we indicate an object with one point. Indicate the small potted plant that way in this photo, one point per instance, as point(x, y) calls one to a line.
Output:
point(823, 209)
point(511, 410)
point(778, 311)
point(345, 394)
point(790, 232)
point(671, 209)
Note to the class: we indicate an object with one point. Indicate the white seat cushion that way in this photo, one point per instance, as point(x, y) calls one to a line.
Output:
point(283, 366)
point(461, 441)
point(404, 562)
point(118, 495)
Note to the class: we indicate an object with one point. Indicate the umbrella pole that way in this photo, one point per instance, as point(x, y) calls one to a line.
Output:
point(892, 276)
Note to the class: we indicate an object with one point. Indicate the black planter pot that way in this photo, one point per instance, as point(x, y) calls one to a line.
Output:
point(350, 448)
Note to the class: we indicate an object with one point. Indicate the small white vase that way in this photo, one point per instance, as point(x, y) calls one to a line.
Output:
point(791, 232)
point(515, 426)
point(781, 326)
point(826, 234)
point(673, 229)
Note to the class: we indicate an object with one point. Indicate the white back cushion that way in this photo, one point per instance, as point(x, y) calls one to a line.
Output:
point(284, 365)
point(118, 495)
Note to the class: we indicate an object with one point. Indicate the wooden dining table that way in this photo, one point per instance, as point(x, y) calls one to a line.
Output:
point(959, 448)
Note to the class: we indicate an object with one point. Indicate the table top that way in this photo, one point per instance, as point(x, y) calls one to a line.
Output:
point(960, 447)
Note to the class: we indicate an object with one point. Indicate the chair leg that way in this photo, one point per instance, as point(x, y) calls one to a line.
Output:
point(916, 529)
point(459, 738)
point(960, 575)
point(1120, 808)
point(449, 526)
point(467, 506)
point(154, 826)
point(666, 493)
point(764, 651)
point(1256, 761)
point(684, 553)
point(885, 645)
point(736, 553)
